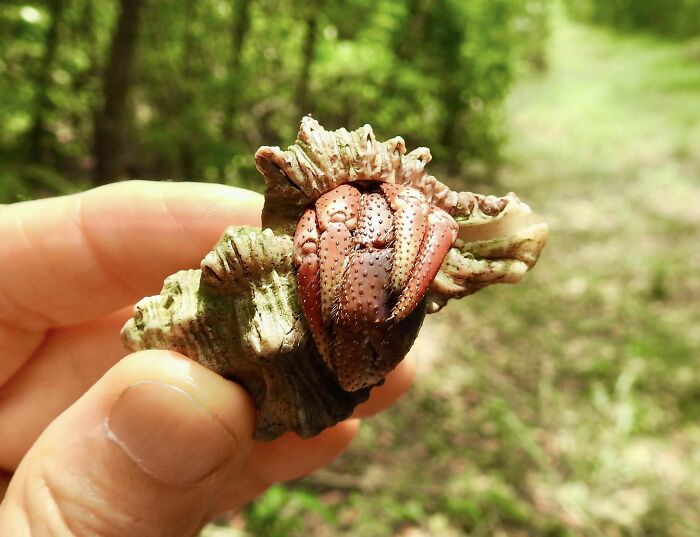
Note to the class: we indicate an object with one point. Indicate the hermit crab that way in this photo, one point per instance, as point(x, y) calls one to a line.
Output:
point(359, 242)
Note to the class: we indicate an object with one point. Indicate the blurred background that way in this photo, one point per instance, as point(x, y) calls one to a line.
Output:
point(570, 404)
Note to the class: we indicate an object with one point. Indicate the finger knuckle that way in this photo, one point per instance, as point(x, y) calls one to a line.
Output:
point(60, 504)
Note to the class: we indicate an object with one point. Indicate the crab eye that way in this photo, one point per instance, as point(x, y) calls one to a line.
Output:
point(309, 247)
point(340, 217)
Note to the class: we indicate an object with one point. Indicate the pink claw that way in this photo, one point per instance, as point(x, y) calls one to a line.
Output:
point(409, 207)
point(306, 243)
point(442, 232)
point(356, 250)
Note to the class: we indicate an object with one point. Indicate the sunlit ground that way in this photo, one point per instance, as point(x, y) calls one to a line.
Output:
point(569, 404)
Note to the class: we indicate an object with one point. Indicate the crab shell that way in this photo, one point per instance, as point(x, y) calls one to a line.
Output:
point(358, 244)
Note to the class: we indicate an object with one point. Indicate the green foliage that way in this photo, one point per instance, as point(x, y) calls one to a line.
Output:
point(215, 79)
point(279, 512)
point(674, 18)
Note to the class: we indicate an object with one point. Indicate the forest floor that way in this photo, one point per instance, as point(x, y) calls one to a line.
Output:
point(570, 403)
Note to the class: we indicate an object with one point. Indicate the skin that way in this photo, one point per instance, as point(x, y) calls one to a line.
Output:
point(70, 270)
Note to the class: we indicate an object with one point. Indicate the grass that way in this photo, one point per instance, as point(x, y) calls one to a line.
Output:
point(571, 406)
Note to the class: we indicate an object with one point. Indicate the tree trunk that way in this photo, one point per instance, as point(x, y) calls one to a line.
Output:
point(186, 97)
point(450, 135)
point(111, 122)
point(239, 31)
point(88, 31)
point(37, 134)
point(85, 80)
point(415, 28)
point(302, 97)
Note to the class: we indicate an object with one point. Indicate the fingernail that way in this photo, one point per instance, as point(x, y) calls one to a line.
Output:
point(167, 433)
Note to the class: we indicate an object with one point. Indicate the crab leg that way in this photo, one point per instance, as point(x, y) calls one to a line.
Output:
point(409, 206)
point(442, 232)
point(310, 286)
point(306, 237)
point(306, 240)
point(337, 216)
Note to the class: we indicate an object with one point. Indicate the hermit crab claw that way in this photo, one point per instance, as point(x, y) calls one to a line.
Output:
point(366, 254)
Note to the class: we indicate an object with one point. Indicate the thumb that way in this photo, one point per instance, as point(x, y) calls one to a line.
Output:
point(148, 450)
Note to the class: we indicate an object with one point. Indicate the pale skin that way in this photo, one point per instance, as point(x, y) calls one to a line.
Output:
point(70, 270)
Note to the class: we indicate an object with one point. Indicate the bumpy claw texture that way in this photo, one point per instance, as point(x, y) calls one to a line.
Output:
point(311, 313)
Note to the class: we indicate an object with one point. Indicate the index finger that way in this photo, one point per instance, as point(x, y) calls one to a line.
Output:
point(69, 259)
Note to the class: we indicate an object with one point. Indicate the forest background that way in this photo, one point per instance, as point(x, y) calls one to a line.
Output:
point(571, 405)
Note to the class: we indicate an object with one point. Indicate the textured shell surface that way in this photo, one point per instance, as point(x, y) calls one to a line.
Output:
point(358, 243)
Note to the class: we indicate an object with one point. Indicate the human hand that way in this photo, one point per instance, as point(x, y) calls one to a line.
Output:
point(93, 442)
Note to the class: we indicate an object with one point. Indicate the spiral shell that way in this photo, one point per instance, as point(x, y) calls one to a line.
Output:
point(239, 314)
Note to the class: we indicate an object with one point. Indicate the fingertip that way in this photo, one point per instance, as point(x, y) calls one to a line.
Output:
point(147, 229)
point(158, 405)
point(225, 399)
point(291, 456)
point(121, 239)
point(149, 448)
point(198, 204)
